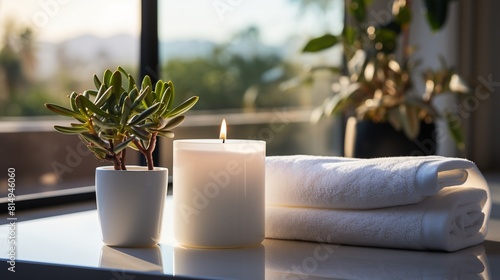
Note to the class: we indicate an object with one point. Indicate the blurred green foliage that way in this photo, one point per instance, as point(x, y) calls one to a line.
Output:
point(21, 93)
point(222, 78)
point(235, 75)
point(241, 73)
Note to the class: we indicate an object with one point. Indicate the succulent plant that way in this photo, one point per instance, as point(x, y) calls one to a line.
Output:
point(118, 114)
point(377, 82)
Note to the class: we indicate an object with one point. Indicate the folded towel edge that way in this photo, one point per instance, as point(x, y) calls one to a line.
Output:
point(428, 185)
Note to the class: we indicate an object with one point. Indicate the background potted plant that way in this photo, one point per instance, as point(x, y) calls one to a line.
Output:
point(386, 116)
point(116, 115)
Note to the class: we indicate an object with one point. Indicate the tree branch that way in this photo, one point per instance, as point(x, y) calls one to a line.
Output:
point(149, 151)
point(123, 157)
point(115, 158)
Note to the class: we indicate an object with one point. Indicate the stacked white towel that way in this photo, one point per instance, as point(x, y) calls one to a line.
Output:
point(420, 203)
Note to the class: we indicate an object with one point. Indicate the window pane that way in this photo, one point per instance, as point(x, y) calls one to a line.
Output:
point(240, 54)
point(49, 48)
point(244, 60)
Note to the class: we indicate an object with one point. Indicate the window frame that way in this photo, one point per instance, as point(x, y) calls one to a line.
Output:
point(149, 65)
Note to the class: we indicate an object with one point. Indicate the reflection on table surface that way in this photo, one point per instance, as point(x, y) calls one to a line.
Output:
point(74, 240)
point(293, 260)
point(143, 259)
point(242, 263)
point(281, 259)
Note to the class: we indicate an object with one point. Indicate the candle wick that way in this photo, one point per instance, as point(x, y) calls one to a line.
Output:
point(223, 140)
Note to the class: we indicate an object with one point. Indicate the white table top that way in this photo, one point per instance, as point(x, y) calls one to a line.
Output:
point(74, 240)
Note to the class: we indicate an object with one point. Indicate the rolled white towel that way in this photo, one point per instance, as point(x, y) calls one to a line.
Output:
point(347, 183)
point(453, 219)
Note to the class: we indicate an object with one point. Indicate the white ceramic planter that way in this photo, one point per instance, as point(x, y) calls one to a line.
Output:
point(130, 205)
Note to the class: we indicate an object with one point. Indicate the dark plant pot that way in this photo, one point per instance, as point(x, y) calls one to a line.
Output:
point(366, 139)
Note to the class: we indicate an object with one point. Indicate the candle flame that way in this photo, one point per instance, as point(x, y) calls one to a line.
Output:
point(223, 130)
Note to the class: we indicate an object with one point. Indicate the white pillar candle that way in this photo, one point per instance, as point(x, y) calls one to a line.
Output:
point(219, 192)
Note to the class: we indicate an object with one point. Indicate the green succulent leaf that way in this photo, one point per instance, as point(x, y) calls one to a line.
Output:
point(140, 133)
point(133, 94)
point(122, 99)
point(101, 90)
point(90, 92)
point(131, 82)
point(98, 152)
point(148, 125)
point(97, 82)
point(108, 135)
point(107, 77)
point(321, 43)
point(116, 82)
point(65, 112)
point(182, 108)
point(140, 98)
point(170, 102)
point(121, 70)
point(91, 138)
point(146, 82)
point(147, 85)
point(72, 102)
point(145, 114)
point(105, 124)
point(114, 109)
point(166, 133)
point(80, 125)
point(126, 109)
point(70, 130)
point(159, 89)
point(130, 79)
point(166, 101)
point(118, 148)
point(86, 103)
point(170, 124)
point(101, 100)
point(436, 12)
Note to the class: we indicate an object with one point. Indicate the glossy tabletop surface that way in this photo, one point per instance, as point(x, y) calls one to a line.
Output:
point(74, 240)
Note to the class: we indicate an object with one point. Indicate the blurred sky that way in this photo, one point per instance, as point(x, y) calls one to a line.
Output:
point(218, 19)
point(215, 20)
point(57, 20)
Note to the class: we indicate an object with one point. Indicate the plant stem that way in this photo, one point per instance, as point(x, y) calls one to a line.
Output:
point(123, 156)
point(139, 146)
point(116, 163)
point(115, 158)
point(149, 151)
